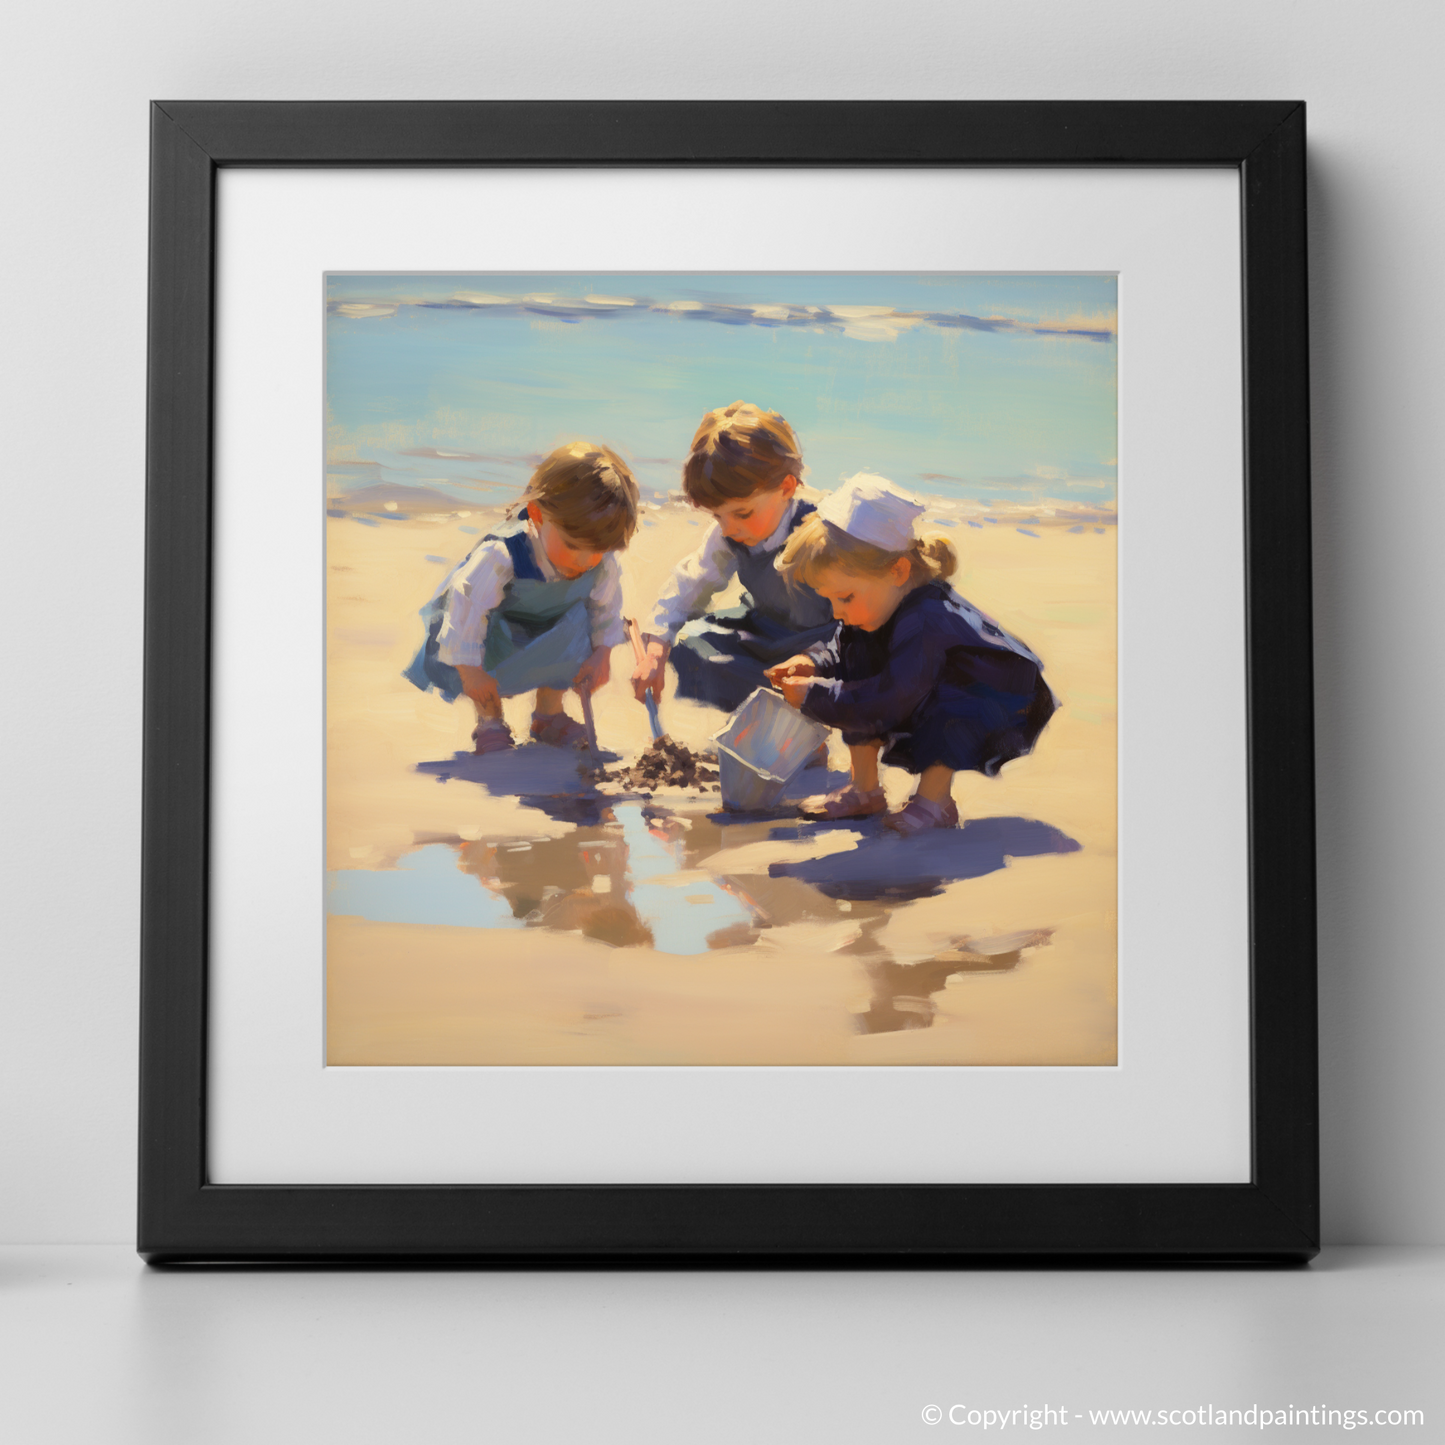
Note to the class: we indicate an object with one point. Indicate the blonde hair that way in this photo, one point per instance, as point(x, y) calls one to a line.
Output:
point(588, 491)
point(738, 450)
point(817, 545)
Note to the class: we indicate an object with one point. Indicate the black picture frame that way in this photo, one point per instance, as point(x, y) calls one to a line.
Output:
point(183, 1217)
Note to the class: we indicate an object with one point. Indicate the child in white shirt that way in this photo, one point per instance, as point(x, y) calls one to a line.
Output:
point(537, 604)
point(744, 468)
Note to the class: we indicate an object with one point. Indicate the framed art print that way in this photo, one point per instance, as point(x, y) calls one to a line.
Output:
point(755, 677)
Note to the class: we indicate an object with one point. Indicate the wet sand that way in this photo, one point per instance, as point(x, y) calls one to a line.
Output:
point(588, 925)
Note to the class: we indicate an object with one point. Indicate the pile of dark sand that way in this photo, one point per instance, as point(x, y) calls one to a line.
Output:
point(665, 764)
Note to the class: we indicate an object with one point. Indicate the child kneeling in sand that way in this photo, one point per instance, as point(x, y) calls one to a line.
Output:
point(744, 468)
point(912, 671)
point(538, 602)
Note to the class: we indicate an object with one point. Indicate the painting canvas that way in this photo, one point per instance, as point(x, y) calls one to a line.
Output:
point(721, 669)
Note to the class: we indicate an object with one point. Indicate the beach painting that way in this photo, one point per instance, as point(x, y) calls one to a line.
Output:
point(720, 669)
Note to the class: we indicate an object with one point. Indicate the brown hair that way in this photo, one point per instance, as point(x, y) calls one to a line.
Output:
point(816, 545)
point(587, 490)
point(738, 450)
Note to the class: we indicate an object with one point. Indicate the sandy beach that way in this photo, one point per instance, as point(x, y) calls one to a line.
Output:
point(582, 927)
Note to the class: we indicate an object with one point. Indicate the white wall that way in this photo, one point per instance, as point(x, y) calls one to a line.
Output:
point(72, 375)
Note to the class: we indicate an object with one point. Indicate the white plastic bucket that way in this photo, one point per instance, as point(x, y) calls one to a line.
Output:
point(764, 744)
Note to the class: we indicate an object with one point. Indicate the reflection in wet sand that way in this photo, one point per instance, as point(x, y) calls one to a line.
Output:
point(576, 883)
point(424, 887)
point(903, 993)
point(685, 879)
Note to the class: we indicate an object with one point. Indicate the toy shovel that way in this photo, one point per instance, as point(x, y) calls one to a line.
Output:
point(654, 720)
point(590, 723)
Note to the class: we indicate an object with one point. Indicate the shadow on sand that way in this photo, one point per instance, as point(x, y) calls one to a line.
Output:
point(550, 779)
point(884, 866)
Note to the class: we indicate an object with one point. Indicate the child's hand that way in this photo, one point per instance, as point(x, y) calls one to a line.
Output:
point(795, 667)
point(651, 671)
point(479, 685)
point(793, 690)
point(594, 672)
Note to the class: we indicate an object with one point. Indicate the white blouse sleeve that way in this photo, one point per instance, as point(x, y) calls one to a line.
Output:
point(692, 585)
point(604, 603)
point(473, 592)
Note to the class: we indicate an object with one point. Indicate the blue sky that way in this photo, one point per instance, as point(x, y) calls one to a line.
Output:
point(987, 387)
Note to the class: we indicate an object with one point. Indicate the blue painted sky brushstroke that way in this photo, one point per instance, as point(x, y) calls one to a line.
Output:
point(996, 388)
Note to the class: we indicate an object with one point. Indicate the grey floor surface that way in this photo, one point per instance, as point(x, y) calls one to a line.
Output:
point(96, 1348)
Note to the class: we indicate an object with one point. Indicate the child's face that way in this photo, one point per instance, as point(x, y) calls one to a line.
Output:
point(568, 555)
point(862, 601)
point(751, 520)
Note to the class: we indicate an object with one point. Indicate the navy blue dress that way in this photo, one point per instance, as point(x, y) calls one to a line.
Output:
point(939, 682)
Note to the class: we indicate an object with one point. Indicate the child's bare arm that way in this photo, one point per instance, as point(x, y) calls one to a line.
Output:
point(481, 687)
point(594, 672)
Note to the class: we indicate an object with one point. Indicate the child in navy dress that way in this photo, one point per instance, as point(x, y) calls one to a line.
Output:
point(743, 468)
point(537, 604)
point(912, 672)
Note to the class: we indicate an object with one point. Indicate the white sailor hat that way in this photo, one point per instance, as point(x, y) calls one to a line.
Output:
point(873, 510)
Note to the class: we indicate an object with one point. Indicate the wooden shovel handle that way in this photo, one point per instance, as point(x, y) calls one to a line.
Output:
point(634, 633)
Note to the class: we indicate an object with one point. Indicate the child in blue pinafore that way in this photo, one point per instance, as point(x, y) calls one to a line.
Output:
point(537, 604)
point(743, 468)
point(913, 674)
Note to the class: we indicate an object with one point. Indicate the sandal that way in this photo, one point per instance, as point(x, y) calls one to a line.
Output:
point(558, 730)
point(491, 735)
point(918, 815)
point(846, 802)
